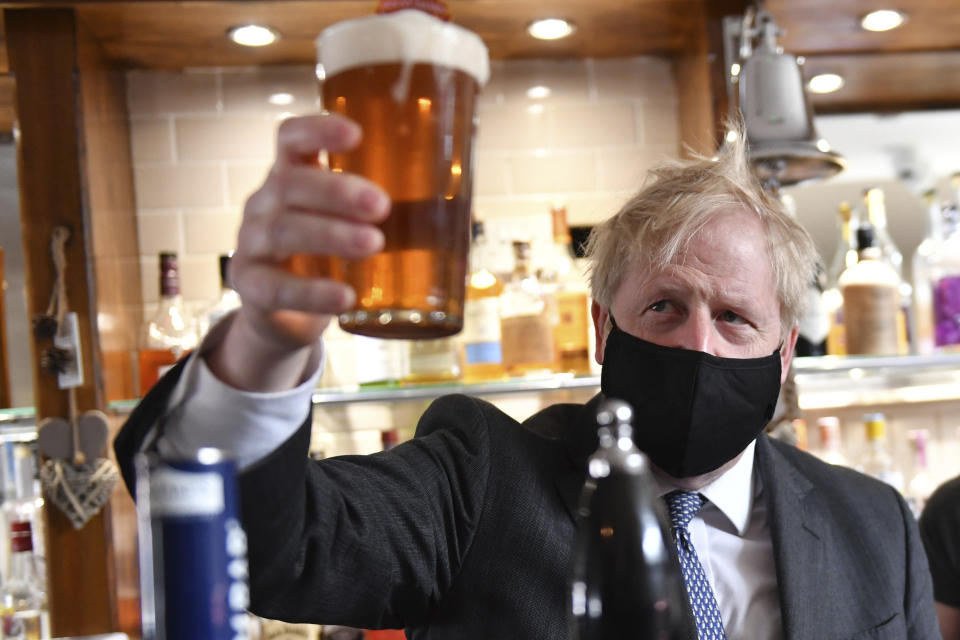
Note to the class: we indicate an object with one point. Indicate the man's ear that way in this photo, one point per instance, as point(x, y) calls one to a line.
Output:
point(786, 352)
point(600, 316)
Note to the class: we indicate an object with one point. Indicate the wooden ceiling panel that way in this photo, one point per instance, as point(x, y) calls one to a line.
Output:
point(833, 26)
point(889, 81)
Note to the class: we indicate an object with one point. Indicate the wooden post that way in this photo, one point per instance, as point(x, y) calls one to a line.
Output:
point(700, 76)
point(42, 49)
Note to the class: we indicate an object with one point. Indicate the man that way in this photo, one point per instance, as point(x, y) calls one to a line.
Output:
point(940, 532)
point(466, 531)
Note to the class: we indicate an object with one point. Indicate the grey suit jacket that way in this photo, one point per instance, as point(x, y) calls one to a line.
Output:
point(466, 531)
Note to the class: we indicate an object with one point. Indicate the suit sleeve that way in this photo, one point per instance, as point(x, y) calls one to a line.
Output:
point(918, 605)
point(369, 541)
point(940, 531)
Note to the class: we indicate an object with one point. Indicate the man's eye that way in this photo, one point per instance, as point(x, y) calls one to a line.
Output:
point(731, 317)
point(659, 306)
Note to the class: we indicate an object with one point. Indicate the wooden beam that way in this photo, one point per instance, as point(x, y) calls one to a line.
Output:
point(79, 562)
point(701, 78)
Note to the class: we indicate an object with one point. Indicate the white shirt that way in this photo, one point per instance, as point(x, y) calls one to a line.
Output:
point(731, 533)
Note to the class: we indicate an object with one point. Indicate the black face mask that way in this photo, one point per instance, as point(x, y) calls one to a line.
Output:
point(692, 412)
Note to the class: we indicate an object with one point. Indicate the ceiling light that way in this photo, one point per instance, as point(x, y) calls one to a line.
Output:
point(282, 98)
point(550, 29)
point(825, 83)
point(253, 35)
point(882, 20)
point(538, 92)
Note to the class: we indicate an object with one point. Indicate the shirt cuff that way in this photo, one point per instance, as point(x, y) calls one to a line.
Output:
point(247, 426)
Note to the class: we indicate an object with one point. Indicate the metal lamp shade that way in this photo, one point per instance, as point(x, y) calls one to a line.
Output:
point(781, 136)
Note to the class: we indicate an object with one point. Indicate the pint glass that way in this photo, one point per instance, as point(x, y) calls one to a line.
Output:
point(411, 82)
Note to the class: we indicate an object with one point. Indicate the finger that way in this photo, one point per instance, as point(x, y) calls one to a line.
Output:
point(300, 139)
point(271, 288)
point(277, 237)
point(345, 195)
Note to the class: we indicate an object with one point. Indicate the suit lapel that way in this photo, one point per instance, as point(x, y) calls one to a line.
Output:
point(797, 528)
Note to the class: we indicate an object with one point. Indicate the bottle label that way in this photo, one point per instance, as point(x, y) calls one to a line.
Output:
point(572, 327)
point(181, 493)
point(946, 311)
point(870, 314)
point(481, 322)
point(483, 353)
point(21, 536)
point(527, 340)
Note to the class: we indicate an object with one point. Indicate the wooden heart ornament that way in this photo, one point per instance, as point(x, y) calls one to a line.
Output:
point(59, 440)
point(78, 490)
point(75, 477)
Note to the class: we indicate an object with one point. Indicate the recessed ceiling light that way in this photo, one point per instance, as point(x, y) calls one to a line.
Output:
point(253, 35)
point(825, 83)
point(538, 92)
point(882, 20)
point(282, 98)
point(550, 29)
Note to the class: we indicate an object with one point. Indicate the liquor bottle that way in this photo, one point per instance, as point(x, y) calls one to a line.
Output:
point(889, 253)
point(814, 326)
point(170, 333)
point(831, 448)
point(878, 462)
point(227, 301)
point(23, 596)
point(433, 360)
point(380, 362)
point(626, 580)
point(480, 340)
point(526, 325)
point(562, 279)
point(871, 305)
point(922, 281)
point(945, 279)
point(845, 256)
point(922, 483)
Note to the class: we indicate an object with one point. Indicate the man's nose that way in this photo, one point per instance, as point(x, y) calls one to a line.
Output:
point(696, 333)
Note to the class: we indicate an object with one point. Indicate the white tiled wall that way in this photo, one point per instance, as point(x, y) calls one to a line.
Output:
point(203, 140)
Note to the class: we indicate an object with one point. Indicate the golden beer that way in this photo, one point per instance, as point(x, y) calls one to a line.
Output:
point(411, 81)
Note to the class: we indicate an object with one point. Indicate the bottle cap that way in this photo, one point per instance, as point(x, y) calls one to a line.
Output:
point(876, 424)
point(866, 237)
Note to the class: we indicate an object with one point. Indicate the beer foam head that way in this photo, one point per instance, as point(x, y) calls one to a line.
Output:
point(407, 36)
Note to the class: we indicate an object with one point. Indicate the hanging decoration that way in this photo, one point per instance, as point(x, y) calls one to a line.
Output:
point(74, 477)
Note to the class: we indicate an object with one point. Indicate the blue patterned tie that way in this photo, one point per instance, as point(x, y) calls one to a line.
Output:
point(683, 505)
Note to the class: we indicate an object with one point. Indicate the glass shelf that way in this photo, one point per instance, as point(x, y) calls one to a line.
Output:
point(822, 382)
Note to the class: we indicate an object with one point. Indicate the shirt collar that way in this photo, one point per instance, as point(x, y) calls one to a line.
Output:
point(732, 492)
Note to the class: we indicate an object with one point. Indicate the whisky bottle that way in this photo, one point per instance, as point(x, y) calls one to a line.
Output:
point(170, 333)
point(922, 484)
point(831, 447)
point(480, 340)
point(23, 597)
point(226, 301)
point(526, 322)
point(845, 256)
point(922, 278)
point(871, 305)
point(889, 253)
point(562, 280)
point(877, 461)
point(626, 580)
point(433, 360)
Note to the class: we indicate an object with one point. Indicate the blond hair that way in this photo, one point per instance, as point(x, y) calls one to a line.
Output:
point(677, 200)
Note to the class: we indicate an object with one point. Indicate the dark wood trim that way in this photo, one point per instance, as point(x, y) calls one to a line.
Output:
point(79, 562)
